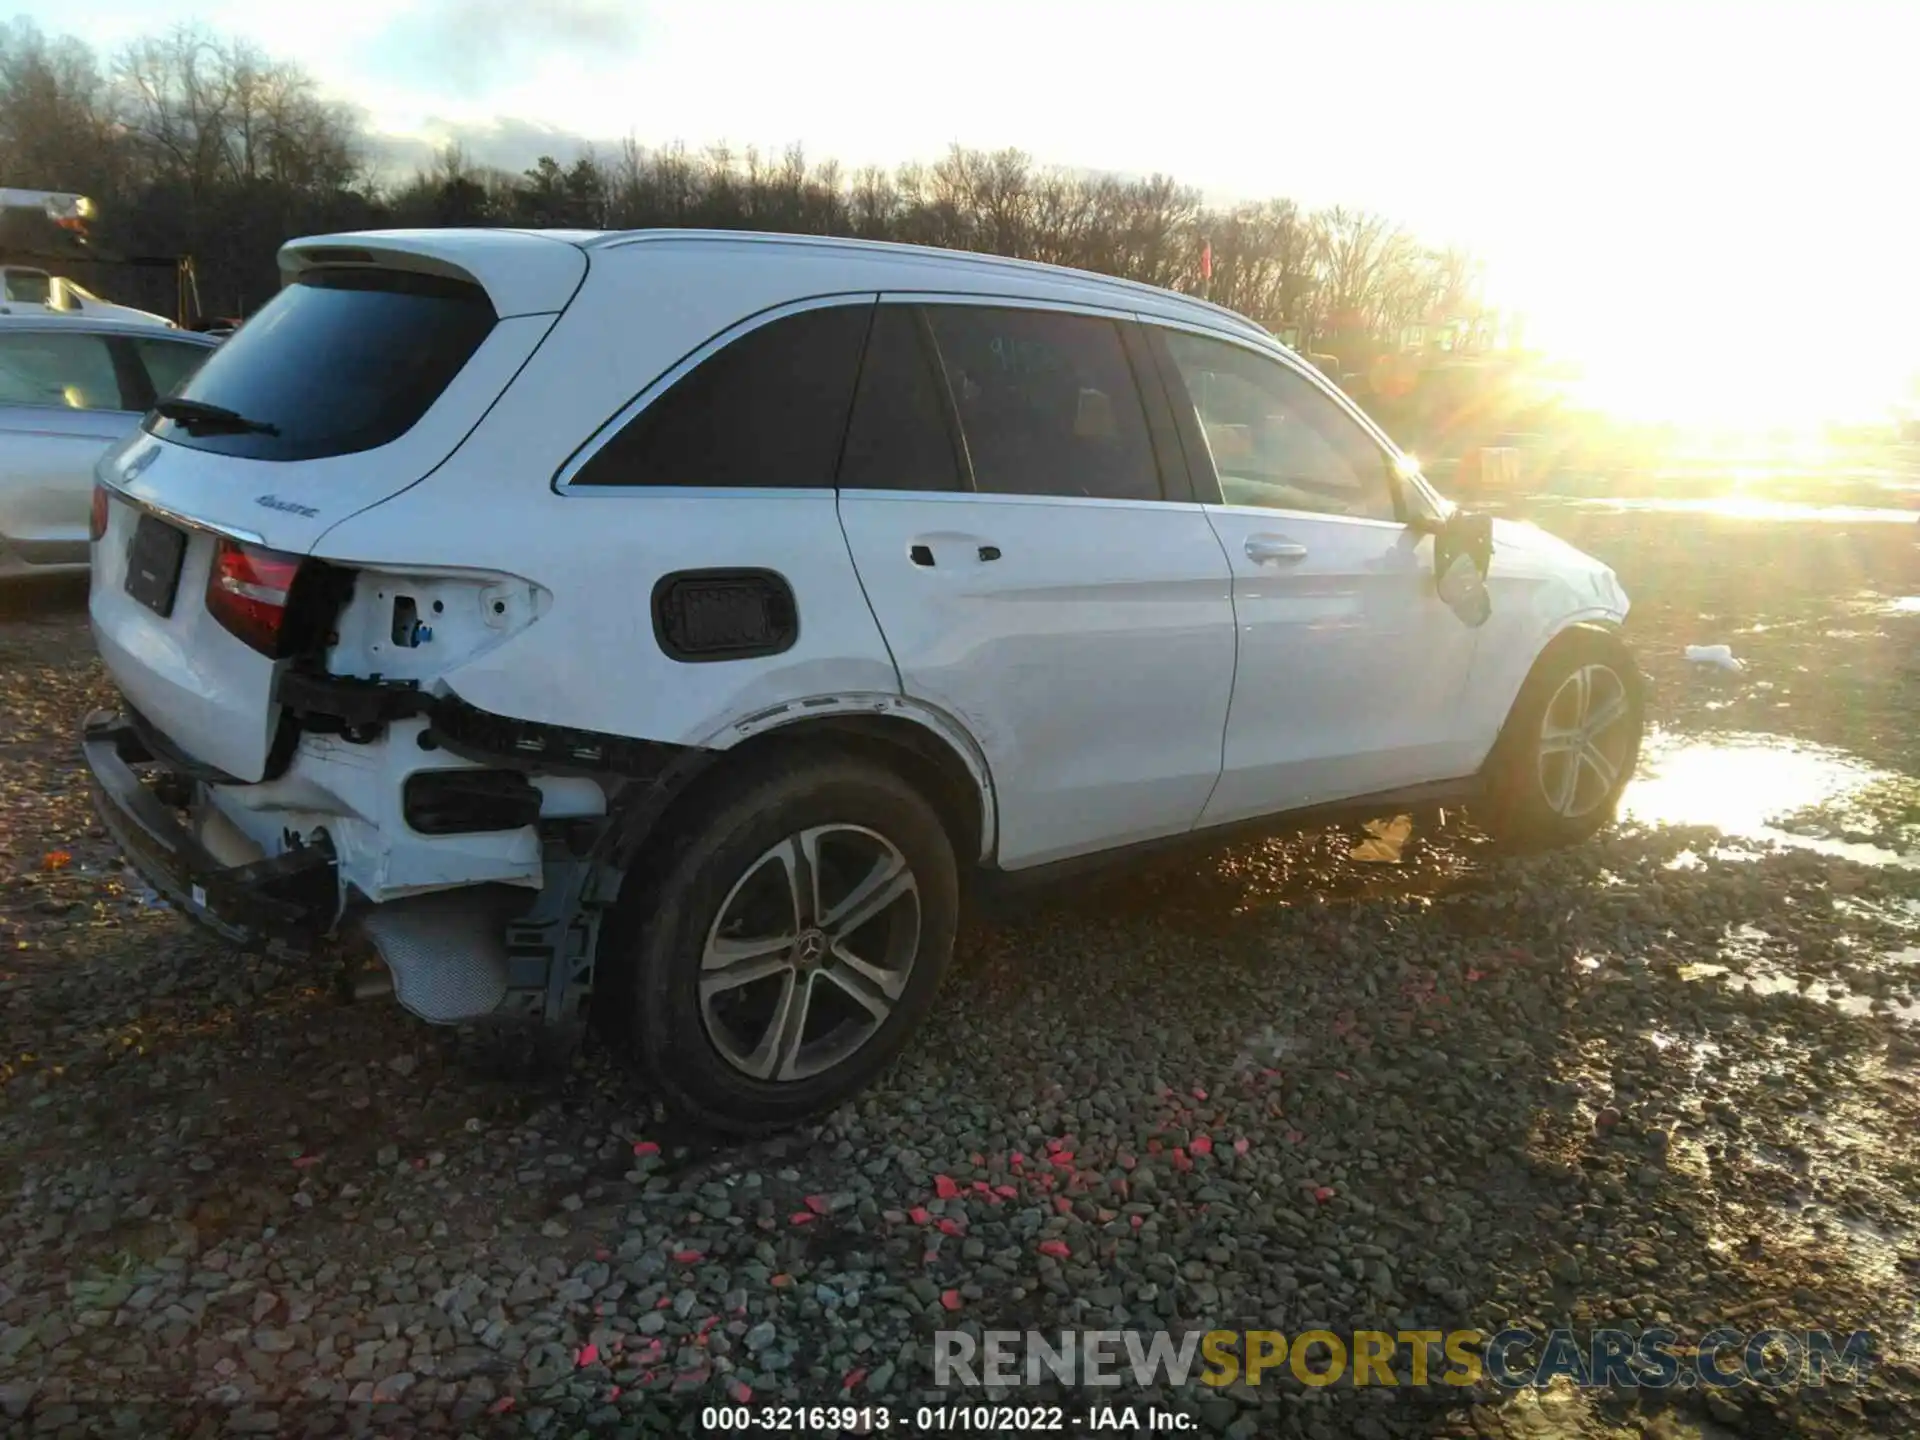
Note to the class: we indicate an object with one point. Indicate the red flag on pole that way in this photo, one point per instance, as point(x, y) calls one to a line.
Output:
point(1206, 261)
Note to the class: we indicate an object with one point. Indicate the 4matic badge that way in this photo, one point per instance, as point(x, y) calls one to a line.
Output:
point(274, 502)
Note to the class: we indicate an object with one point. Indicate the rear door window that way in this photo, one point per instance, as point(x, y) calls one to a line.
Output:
point(1047, 403)
point(71, 371)
point(338, 362)
point(899, 437)
point(768, 409)
point(169, 364)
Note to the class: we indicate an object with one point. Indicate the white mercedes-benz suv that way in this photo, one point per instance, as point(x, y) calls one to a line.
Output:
point(672, 626)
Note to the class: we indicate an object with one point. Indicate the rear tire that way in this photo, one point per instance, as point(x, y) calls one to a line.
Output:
point(793, 941)
point(1569, 746)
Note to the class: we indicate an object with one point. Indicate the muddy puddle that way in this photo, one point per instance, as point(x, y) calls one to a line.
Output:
point(1766, 981)
point(1766, 790)
point(1883, 984)
point(1760, 791)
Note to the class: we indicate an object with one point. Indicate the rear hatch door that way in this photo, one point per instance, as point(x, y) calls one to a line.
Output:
point(377, 358)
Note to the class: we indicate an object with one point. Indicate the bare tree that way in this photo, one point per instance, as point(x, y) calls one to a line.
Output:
point(57, 122)
point(1361, 260)
point(1263, 262)
point(192, 142)
point(175, 96)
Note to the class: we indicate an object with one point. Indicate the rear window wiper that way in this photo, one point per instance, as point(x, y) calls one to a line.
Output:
point(196, 415)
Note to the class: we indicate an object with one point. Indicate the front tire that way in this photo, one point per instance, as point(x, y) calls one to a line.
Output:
point(1570, 744)
point(794, 941)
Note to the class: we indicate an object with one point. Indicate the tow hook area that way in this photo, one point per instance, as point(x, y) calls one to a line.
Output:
point(483, 953)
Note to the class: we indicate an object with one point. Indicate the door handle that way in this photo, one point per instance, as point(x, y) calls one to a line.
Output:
point(1263, 548)
point(920, 552)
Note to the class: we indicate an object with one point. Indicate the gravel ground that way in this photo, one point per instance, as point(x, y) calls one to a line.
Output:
point(1670, 1076)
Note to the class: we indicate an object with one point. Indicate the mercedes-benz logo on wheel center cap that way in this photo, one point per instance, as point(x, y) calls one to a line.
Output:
point(812, 945)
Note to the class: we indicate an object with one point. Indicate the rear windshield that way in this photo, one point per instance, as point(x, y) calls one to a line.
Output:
point(339, 361)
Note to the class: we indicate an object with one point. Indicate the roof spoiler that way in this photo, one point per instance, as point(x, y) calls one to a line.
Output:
point(523, 272)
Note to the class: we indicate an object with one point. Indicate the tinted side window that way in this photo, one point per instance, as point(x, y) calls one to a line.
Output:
point(40, 367)
point(338, 362)
point(1047, 403)
point(169, 364)
point(1276, 440)
point(898, 438)
point(769, 409)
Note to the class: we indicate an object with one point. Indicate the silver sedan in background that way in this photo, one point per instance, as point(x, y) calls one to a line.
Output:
point(69, 388)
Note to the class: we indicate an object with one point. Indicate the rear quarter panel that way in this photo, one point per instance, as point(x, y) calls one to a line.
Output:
point(592, 660)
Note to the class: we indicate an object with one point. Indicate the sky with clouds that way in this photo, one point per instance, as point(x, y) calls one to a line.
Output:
point(1691, 163)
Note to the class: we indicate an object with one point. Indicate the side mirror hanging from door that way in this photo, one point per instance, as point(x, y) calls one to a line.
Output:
point(1462, 553)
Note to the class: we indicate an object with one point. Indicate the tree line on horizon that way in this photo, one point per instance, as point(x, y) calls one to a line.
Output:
point(192, 143)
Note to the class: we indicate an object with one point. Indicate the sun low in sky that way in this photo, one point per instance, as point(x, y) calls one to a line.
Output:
point(1710, 207)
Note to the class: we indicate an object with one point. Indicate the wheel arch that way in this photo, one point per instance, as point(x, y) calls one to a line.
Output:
point(926, 746)
point(1570, 630)
point(1594, 621)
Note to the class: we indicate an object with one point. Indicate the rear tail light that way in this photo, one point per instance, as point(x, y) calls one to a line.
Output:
point(97, 521)
point(247, 591)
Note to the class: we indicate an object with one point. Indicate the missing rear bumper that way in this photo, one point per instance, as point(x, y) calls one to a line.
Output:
point(461, 932)
point(293, 898)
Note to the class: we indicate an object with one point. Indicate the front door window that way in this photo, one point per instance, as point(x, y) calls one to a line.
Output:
point(1277, 441)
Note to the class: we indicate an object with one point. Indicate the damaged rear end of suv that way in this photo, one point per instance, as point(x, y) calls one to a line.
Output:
point(391, 666)
point(290, 761)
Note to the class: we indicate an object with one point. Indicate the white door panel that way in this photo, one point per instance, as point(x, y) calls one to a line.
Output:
point(1091, 658)
point(47, 457)
point(1352, 674)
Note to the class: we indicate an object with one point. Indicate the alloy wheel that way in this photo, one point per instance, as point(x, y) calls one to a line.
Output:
point(1585, 741)
point(810, 952)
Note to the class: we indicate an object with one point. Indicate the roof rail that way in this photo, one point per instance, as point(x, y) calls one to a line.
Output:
point(615, 239)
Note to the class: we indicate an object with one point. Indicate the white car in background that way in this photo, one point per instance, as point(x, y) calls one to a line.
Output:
point(30, 292)
point(681, 622)
point(69, 388)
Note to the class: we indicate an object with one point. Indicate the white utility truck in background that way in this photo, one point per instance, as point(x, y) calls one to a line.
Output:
point(28, 291)
point(41, 227)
